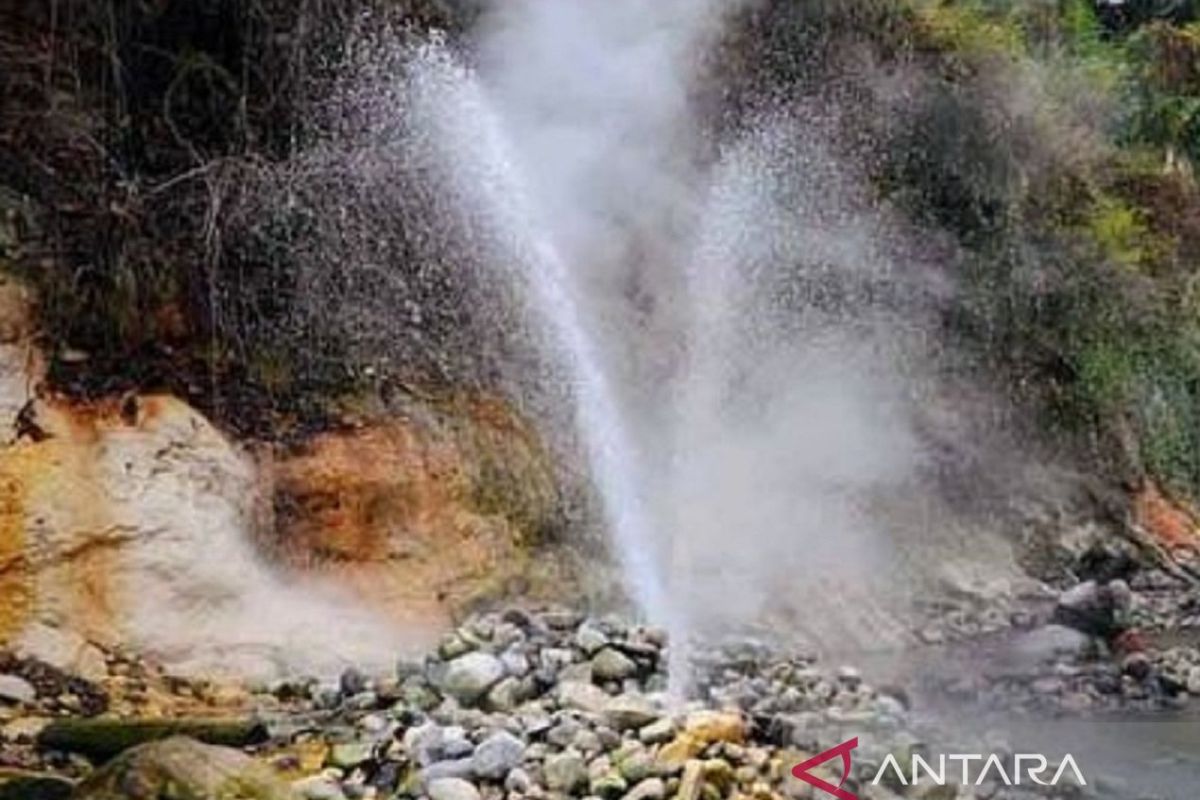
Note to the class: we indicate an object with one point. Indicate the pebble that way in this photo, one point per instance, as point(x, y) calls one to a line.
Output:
point(452, 789)
point(565, 772)
point(497, 755)
point(15, 689)
point(468, 677)
point(612, 665)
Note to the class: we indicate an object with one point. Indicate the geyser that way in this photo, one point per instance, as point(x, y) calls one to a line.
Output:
point(710, 308)
point(732, 382)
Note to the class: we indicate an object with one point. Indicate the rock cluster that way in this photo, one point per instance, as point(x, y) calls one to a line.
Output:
point(556, 705)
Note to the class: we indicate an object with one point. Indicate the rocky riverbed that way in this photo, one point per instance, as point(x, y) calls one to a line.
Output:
point(545, 704)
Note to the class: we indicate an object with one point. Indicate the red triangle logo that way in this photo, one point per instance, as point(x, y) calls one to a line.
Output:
point(802, 772)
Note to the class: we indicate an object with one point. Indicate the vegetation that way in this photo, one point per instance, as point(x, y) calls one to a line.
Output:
point(1063, 141)
point(1055, 141)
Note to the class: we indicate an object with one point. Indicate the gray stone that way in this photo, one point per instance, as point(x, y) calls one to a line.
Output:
point(468, 677)
point(1193, 681)
point(657, 732)
point(630, 711)
point(582, 697)
point(181, 767)
point(586, 742)
point(353, 681)
point(496, 755)
point(637, 765)
point(424, 743)
point(452, 789)
point(649, 789)
point(349, 754)
point(565, 772)
point(692, 780)
point(506, 695)
point(1050, 642)
point(562, 734)
point(612, 665)
point(455, 743)
point(590, 639)
point(16, 689)
point(318, 787)
point(518, 782)
point(452, 646)
point(608, 786)
point(515, 663)
point(581, 672)
point(450, 768)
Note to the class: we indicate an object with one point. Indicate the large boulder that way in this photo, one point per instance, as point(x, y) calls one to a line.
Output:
point(183, 769)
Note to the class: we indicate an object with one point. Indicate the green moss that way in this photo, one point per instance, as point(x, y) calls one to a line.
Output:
point(966, 28)
point(1121, 232)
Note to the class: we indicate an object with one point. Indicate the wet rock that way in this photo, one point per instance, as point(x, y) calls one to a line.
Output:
point(468, 677)
point(497, 755)
point(319, 787)
point(1050, 642)
point(352, 682)
point(630, 711)
point(612, 665)
point(582, 696)
point(657, 732)
point(29, 786)
point(463, 768)
point(181, 767)
point(590, 639)
point(14, 689)
point(692, 781)
point(609, 786)
point(716, 726)
point(62, 649)
point(506, 695)
point(518, 782)
point(349, 754)
point(565, 772)
point(1193, 681)
point(452, 789)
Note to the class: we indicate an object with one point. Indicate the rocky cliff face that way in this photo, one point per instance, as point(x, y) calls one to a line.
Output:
point(133, 521)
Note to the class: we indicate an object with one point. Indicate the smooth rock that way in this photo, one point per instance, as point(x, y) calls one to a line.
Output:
point(657, 732)
point(62, 649)
point(582, 697)
point(468, 677)
point(452, 789)
point(716, 726)
point(15, 689)
point(1193, 681)
point(506, 695)
point(497, 755)
point(347, 755)
point(590, 639)
point(630, 711)
point(424, 743)
point(612, 665)
point(19, 785)
point(609, 786)
point(565, 772)
point(649, 789)
point(636, 766)
point(319, 787)
point(518, 782)
point(692, 781)
point(450, 768)
point(180, 767)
